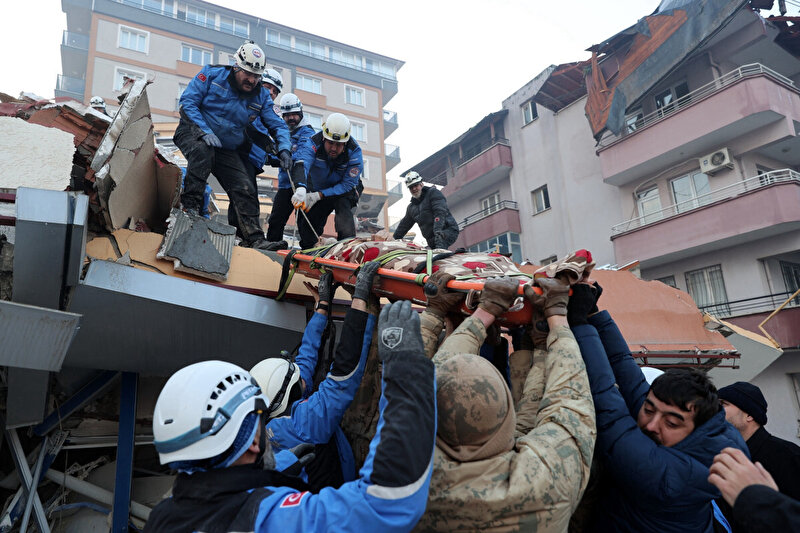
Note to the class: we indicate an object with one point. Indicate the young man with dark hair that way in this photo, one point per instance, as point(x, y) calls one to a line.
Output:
point(656, 443)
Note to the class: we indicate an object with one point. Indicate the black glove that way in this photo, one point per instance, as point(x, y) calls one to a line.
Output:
point(305, 454)
point(583, 299)
point(440, 299)
point(399, 330)
point(598, 291)
point(366, 275)
point(286, 160)
point(325, 287)
point(273, 161)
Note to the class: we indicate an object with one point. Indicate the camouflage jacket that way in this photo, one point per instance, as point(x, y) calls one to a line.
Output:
point(536, 486)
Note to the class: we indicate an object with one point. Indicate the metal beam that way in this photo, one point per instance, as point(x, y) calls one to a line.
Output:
point(28, 485)
point(86, 394)
point(125, 444)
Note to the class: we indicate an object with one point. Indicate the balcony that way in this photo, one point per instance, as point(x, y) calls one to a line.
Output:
point(395, 193)
point(389, 122)
point(756, 208)
point(74, 53)
point(71, 87)
point(751, 103)
point(392, 156)
point(474, 173)
point(486, 223)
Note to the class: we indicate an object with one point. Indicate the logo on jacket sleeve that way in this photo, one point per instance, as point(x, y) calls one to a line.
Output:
point(294, 499)
point(391, 337)
point(202, 77)
point(354, 172)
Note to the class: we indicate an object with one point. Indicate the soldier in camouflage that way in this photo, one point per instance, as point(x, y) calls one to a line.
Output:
point(507, 462)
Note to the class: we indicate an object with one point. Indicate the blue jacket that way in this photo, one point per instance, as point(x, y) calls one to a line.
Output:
point(316, 419)
point(657, 488)
point(336, 177)
point(210, 102)
point(389, 496)
point(302, 150)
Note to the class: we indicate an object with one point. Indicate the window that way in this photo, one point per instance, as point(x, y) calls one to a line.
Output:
point(490, 204)
point(541, 200)
point(365, 171)
point(668, 280)
point(346, 58)
point(309, 47)
point(548, 260)
point(315, 120)
point(133, 39)
point(198, 56)
point(690, 191)
point(354, 95)
point(791, 278)
point(505, 243)
point(277, 38)
point(201, 17)
point(120, 75)
point(307, 83)
point(665, 100)
point(379, 67)
point(649, 205)
point(529, 113)
point(359, 131)
point(707, 287)
point(633, 120)
point(234, 26)
point(181, 88)
point(762, 178)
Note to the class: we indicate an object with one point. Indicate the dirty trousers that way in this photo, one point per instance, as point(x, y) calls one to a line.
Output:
point(318, 215)
point(230, 171)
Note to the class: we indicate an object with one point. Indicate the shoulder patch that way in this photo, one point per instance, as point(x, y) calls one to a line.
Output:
point(294, 499)
point(202, 77)
point(354, 172)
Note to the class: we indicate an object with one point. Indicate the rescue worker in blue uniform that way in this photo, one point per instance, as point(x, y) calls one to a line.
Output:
point(216, 107)
point(334, 182)
point(291, 110)
point(308, 417)
point(207, 426)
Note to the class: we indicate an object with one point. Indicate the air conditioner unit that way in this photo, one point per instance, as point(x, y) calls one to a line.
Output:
point(716, 161)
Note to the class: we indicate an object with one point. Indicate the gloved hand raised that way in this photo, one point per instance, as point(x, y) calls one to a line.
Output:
point(399, 331)
point(554, 297)
point(582, 303)
point(325, 287)
point(366, 276)
point(299, 198)
point(286, 160)
point(498, 294)
point(311, 199)
point(442, 300)
point(212, 140)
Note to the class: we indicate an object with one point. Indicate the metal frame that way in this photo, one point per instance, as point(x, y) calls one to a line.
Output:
point(125, 444)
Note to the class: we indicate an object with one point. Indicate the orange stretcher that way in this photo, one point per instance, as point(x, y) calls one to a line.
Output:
point(398, 285)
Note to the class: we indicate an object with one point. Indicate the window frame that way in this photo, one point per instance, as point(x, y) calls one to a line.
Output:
point(118, 70)
point(209, 17)
point(232, 31)
point(632, 120)
point(490, 204)
point(358, 90)
point(696, 200)
point(279, 43)
point(714, 306)
point(131, 29)
point(529, 110)
point(203, 51)
point(649, 218)
point(545, 194)
point(300, 86)
point(669, 281)
point(363, 127)
point(668, 107)
point(309, 115)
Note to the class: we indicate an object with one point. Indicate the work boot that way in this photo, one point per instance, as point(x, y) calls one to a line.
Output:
point(265, 245)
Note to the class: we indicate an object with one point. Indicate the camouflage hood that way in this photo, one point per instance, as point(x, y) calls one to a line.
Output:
point(475, 409)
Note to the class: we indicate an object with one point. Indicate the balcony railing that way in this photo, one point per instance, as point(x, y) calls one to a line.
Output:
point(488, 211)
point(390, 116)
point(476, 150)
point(75, 40)
point(70, 85)
point(724, 193)
point(746, 306)
point(745, 71)
point(392, 151)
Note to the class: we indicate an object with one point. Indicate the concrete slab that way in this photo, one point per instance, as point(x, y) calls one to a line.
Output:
point(34, 156)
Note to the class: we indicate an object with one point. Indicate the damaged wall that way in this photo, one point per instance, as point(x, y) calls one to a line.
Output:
point(34, 156)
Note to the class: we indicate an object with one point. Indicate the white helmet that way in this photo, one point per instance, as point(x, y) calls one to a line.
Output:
point(336, 128)
point(97, 101)
point(201, 409)
point(412, 178)
point(290, 103)
point(251, 58)
point(273, 77)
point(651, 373)
point(279, 378)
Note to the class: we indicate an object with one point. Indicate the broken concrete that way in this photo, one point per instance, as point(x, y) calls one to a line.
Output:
point(134, 180)
point(45, 160)
point(6, 268)
point(198, 245)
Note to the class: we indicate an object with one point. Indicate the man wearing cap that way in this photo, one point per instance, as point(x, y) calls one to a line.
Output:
point(746, 409)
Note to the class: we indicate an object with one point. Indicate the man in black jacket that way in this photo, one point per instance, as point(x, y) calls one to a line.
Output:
point(746, 409)
point(428, 209)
